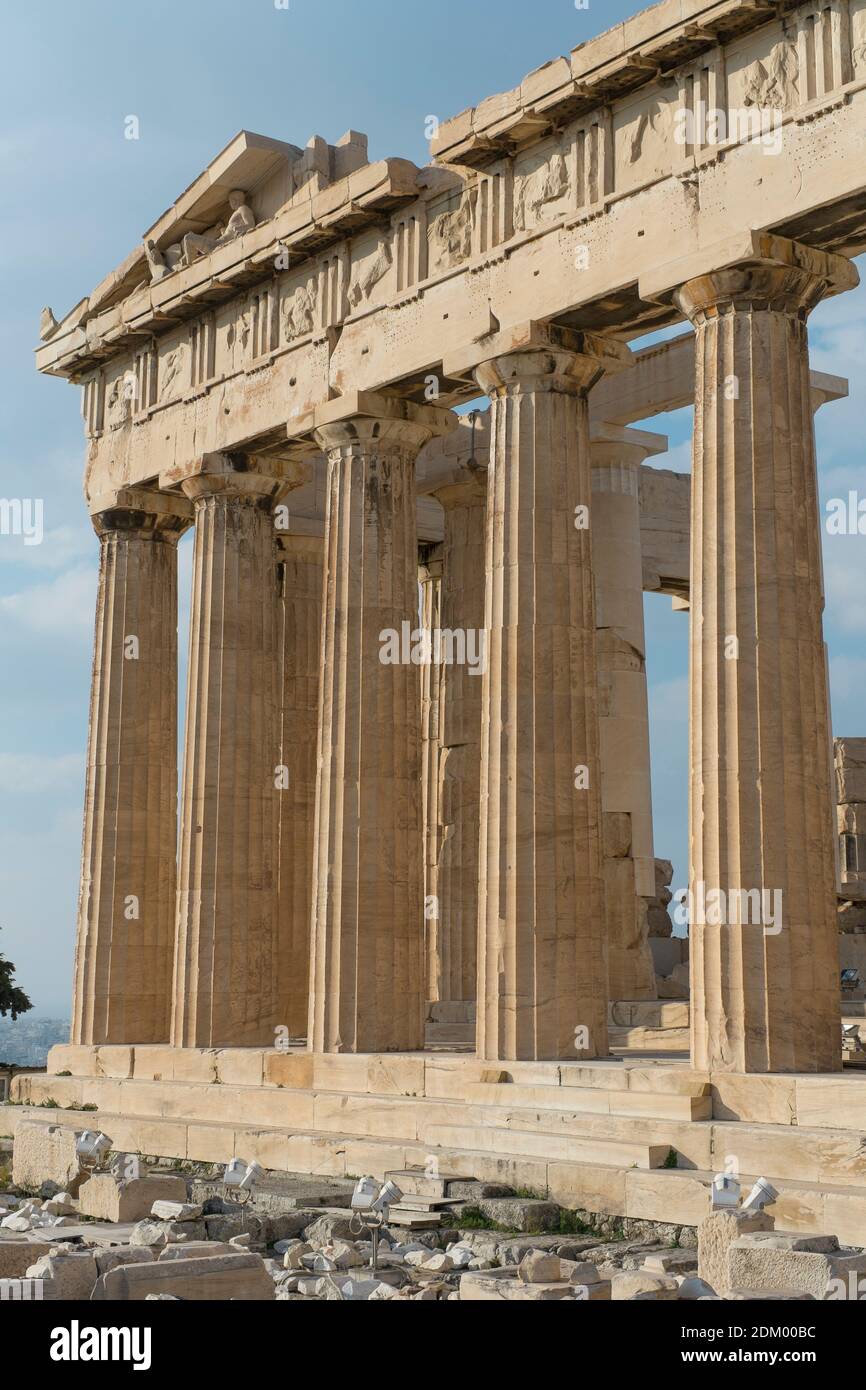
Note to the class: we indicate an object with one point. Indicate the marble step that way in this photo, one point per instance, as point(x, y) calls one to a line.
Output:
point(452, 1011)
point(651, 1040)
point(552, 1119)
point(449, 1035)
point(593, 1100)
point(676, 1196)
point(420, 1184)
point(540, 1144)
point(323, 1109)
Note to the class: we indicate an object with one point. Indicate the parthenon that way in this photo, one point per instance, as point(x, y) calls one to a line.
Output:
point(404, 891)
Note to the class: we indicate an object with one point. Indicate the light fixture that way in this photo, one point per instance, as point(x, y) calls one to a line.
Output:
point(91, 1146)
point(726, 1192)
point(370, 1206)
point(243, 1177)
point(763, 1194)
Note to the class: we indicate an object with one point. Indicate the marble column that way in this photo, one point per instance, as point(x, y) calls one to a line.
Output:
point(226, 957)
point(367, 973)
point(125, 939)
point(542, 949)
point(430, 580)
point(765, 976)
point(824, 390)
point(462, 617)
point(300, 570)
point(626, 790)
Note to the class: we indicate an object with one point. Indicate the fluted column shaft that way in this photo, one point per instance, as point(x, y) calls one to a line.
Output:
point(765, 992)
point(626, 789)
point(367, 969)
point(542, 950)
point(226, 959)
point(462, 614)
point(300, 577)
point(123, 954)
point(430, 579)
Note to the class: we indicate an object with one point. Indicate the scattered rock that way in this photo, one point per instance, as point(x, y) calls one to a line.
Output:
point(69, 1277)
point(175, 1211)
point(109, 1197)
point(521, 1213)
point(539, 1268)
point(639, 1285)
point(239, 1277)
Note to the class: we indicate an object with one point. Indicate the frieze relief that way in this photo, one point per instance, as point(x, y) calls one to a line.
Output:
point(449, 235)
point(237, 339)
point(858, 40)
point(172, 377)
point(544, 191)
point(773, 83)
point(370, 271)
point(120, 399)
point(645, 138)
point(299, 310)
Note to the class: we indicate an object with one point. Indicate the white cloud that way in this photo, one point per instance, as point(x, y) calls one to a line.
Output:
point(61, 548)
point(63, 607)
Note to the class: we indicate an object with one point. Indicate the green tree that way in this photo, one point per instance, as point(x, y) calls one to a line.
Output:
point(12, 999)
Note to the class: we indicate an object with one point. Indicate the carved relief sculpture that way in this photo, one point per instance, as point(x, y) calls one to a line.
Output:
point(170, 373)
point(241, 221)
point(536, 191)
point(299, 311)
point(450, 233)
point(363, 282)
point(162, 263)
point(774, 84)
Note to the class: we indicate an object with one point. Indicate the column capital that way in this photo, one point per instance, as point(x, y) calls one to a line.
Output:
point(616, 446)
point(827, 388)
point(748, 271)
point(465, 486)
point(162, 516)
point(539, 356)
point(237, 475)
point(374, 421)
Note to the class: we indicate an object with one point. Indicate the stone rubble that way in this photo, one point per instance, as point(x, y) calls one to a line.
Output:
point(210, 1249)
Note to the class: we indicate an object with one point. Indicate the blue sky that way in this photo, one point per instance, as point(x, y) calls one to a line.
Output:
point(78, 196)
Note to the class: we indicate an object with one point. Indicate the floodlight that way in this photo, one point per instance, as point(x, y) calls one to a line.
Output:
point(726, 1191)
point(763, 1194)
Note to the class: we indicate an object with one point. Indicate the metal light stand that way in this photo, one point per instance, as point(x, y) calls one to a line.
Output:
point(373, 1222)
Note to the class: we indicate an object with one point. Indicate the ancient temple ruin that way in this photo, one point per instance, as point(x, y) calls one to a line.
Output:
point(391, 810)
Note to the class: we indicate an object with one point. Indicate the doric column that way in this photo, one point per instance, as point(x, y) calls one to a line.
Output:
point(430, 580)
point(226, 957)
point(765, 973)
point(626, 791)
point(367, 974)
point(462, 623)
point(300, 570)
point(542, 966)
point(826, 388)
point(123, 954)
